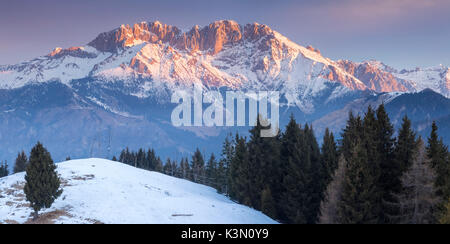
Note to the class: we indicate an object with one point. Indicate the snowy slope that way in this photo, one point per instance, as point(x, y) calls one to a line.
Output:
point(435, 78)
point(103, 191)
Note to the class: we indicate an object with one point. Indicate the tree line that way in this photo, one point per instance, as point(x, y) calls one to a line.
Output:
point(370, 175)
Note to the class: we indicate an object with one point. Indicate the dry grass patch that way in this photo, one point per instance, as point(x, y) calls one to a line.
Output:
point(48, 218)
point(84, 177)
point(10, 222)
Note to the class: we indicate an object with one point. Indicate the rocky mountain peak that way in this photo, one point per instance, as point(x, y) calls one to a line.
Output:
point(212, 37)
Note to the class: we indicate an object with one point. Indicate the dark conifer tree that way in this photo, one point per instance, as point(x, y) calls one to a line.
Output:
point(159, 165)
point(317, 180)
point(211, 171)
point(227, 157)
point(4, 169)
point(390, 170)
point(330, 156)
point(198, 166)
point(264, 160)
point(437, 152)
point(268, 203)
point(21, 163)
point(167, 169)
point(351, 136)
point(359, 189)
point(295, 198)
point(370, 143)
point(42, 185)
point(221, 180)
point(152, 161)
point(239, 172)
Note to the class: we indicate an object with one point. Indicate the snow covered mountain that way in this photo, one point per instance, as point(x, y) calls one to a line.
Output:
point(149, 58)
point(115, 91)
point(102, 191)
point(224, 53)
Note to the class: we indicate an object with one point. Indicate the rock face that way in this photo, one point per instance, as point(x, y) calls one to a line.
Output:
point(374, 76)
point(212, 37)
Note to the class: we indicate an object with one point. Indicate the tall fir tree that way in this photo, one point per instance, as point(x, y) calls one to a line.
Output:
point(359, 190)
point(42, 185)
point(263, 163)
point(198, 166)
point(330, 156)
point(226, 160)
point(4, 169)
point(394, 164)
point(211, 171)
point(351, 136)
point(318, 181)
point(295, 198)
point(221, 180)
point(371, 144)
point(268, 203)
point(239, 172)
point(21, 163)
point(437, 152)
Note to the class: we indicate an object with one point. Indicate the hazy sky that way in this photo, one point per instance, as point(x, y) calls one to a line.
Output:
point(401, 33)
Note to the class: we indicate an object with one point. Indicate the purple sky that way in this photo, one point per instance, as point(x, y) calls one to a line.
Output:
point(401, 33)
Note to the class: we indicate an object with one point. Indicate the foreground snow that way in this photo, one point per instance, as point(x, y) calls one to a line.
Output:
point(103, 191)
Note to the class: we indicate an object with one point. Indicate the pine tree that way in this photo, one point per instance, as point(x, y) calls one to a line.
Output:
point(351, 136)
point(198, 166)
point(167, 169)
point(158, 165)
point(211, 171)
point(356, 204)
point(371, 144)
point(268, 203)
point(330, 156)
point(318, 181)
point(141, 159)
point(4, 169)
point(333, 195)
point(21, 163)
point(437, 152)
point(42, 185)
point(221, 180)
point(390, 170)
point(184, 169)
point(239, 172)
point(417, 199)
point(226, 160)
point(295, 197)
point(152, 160)
point(264, 160)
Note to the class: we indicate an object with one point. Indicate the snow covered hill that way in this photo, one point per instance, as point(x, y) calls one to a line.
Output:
point(103, 191)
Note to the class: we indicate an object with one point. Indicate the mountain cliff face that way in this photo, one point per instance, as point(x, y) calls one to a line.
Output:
point(376, 76)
